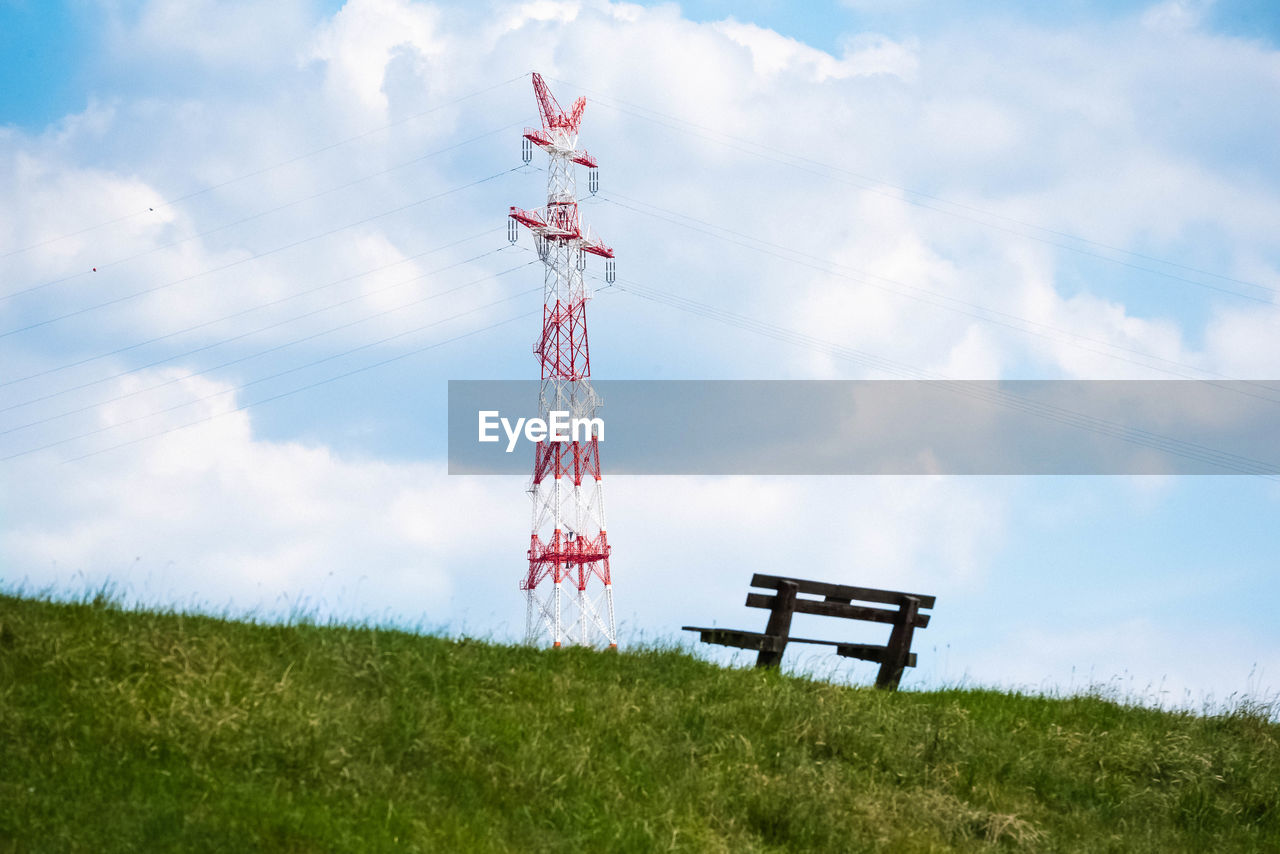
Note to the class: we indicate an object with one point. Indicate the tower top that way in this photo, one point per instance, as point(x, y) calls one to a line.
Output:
point(559, 133)
point(553, 116)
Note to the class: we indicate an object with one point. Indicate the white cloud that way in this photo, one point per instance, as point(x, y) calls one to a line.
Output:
point(237, 33)
point(541, 11)
point(1176, 15)
point(364, 36)
point(211, 515)
point(1244, 343)
point(772, 54)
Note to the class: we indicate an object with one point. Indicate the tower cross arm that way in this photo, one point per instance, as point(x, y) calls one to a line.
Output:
point(530, 219)
point(557, 144)
point(552, 114)
point(536, 222)
point(595, 246)
point(537, 137)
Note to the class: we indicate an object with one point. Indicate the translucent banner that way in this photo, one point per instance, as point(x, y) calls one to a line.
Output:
point(881, 427)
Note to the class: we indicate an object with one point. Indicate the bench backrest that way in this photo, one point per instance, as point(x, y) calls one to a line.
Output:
point(838, 598)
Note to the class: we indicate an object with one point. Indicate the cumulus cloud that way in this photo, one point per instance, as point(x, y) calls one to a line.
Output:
point(772, 54)
point(1176, 15)
point(359, 43)
point(211, 516)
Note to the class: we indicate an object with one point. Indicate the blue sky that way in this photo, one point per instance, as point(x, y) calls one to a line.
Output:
point(45, 46)
point(1094, 193)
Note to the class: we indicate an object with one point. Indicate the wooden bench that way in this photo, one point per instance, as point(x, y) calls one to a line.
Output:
point(837, 601)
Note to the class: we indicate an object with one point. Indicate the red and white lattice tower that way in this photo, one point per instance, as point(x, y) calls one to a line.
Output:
point(569, 589)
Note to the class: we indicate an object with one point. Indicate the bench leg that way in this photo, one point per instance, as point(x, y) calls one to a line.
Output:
point(899, 646)
point(779, 623)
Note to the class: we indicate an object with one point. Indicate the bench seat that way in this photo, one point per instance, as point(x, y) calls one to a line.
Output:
point(837, 601)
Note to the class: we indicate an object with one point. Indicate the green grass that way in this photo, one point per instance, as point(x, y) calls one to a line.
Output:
point(138, 731)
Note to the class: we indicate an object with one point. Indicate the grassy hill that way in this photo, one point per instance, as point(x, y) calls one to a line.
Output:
point(136, 731)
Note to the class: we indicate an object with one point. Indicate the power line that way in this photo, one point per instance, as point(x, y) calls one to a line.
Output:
point(277, 375)
point(919, 294)
point(253, 257)
point(304, 388)
point(255, 173)
point(260, 353)
point(1271, 292)
point(235, 314)
point(242, 335)
point(252, 217)
point(1189, 450)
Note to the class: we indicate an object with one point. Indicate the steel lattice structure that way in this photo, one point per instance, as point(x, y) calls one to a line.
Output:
point(568, 585)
